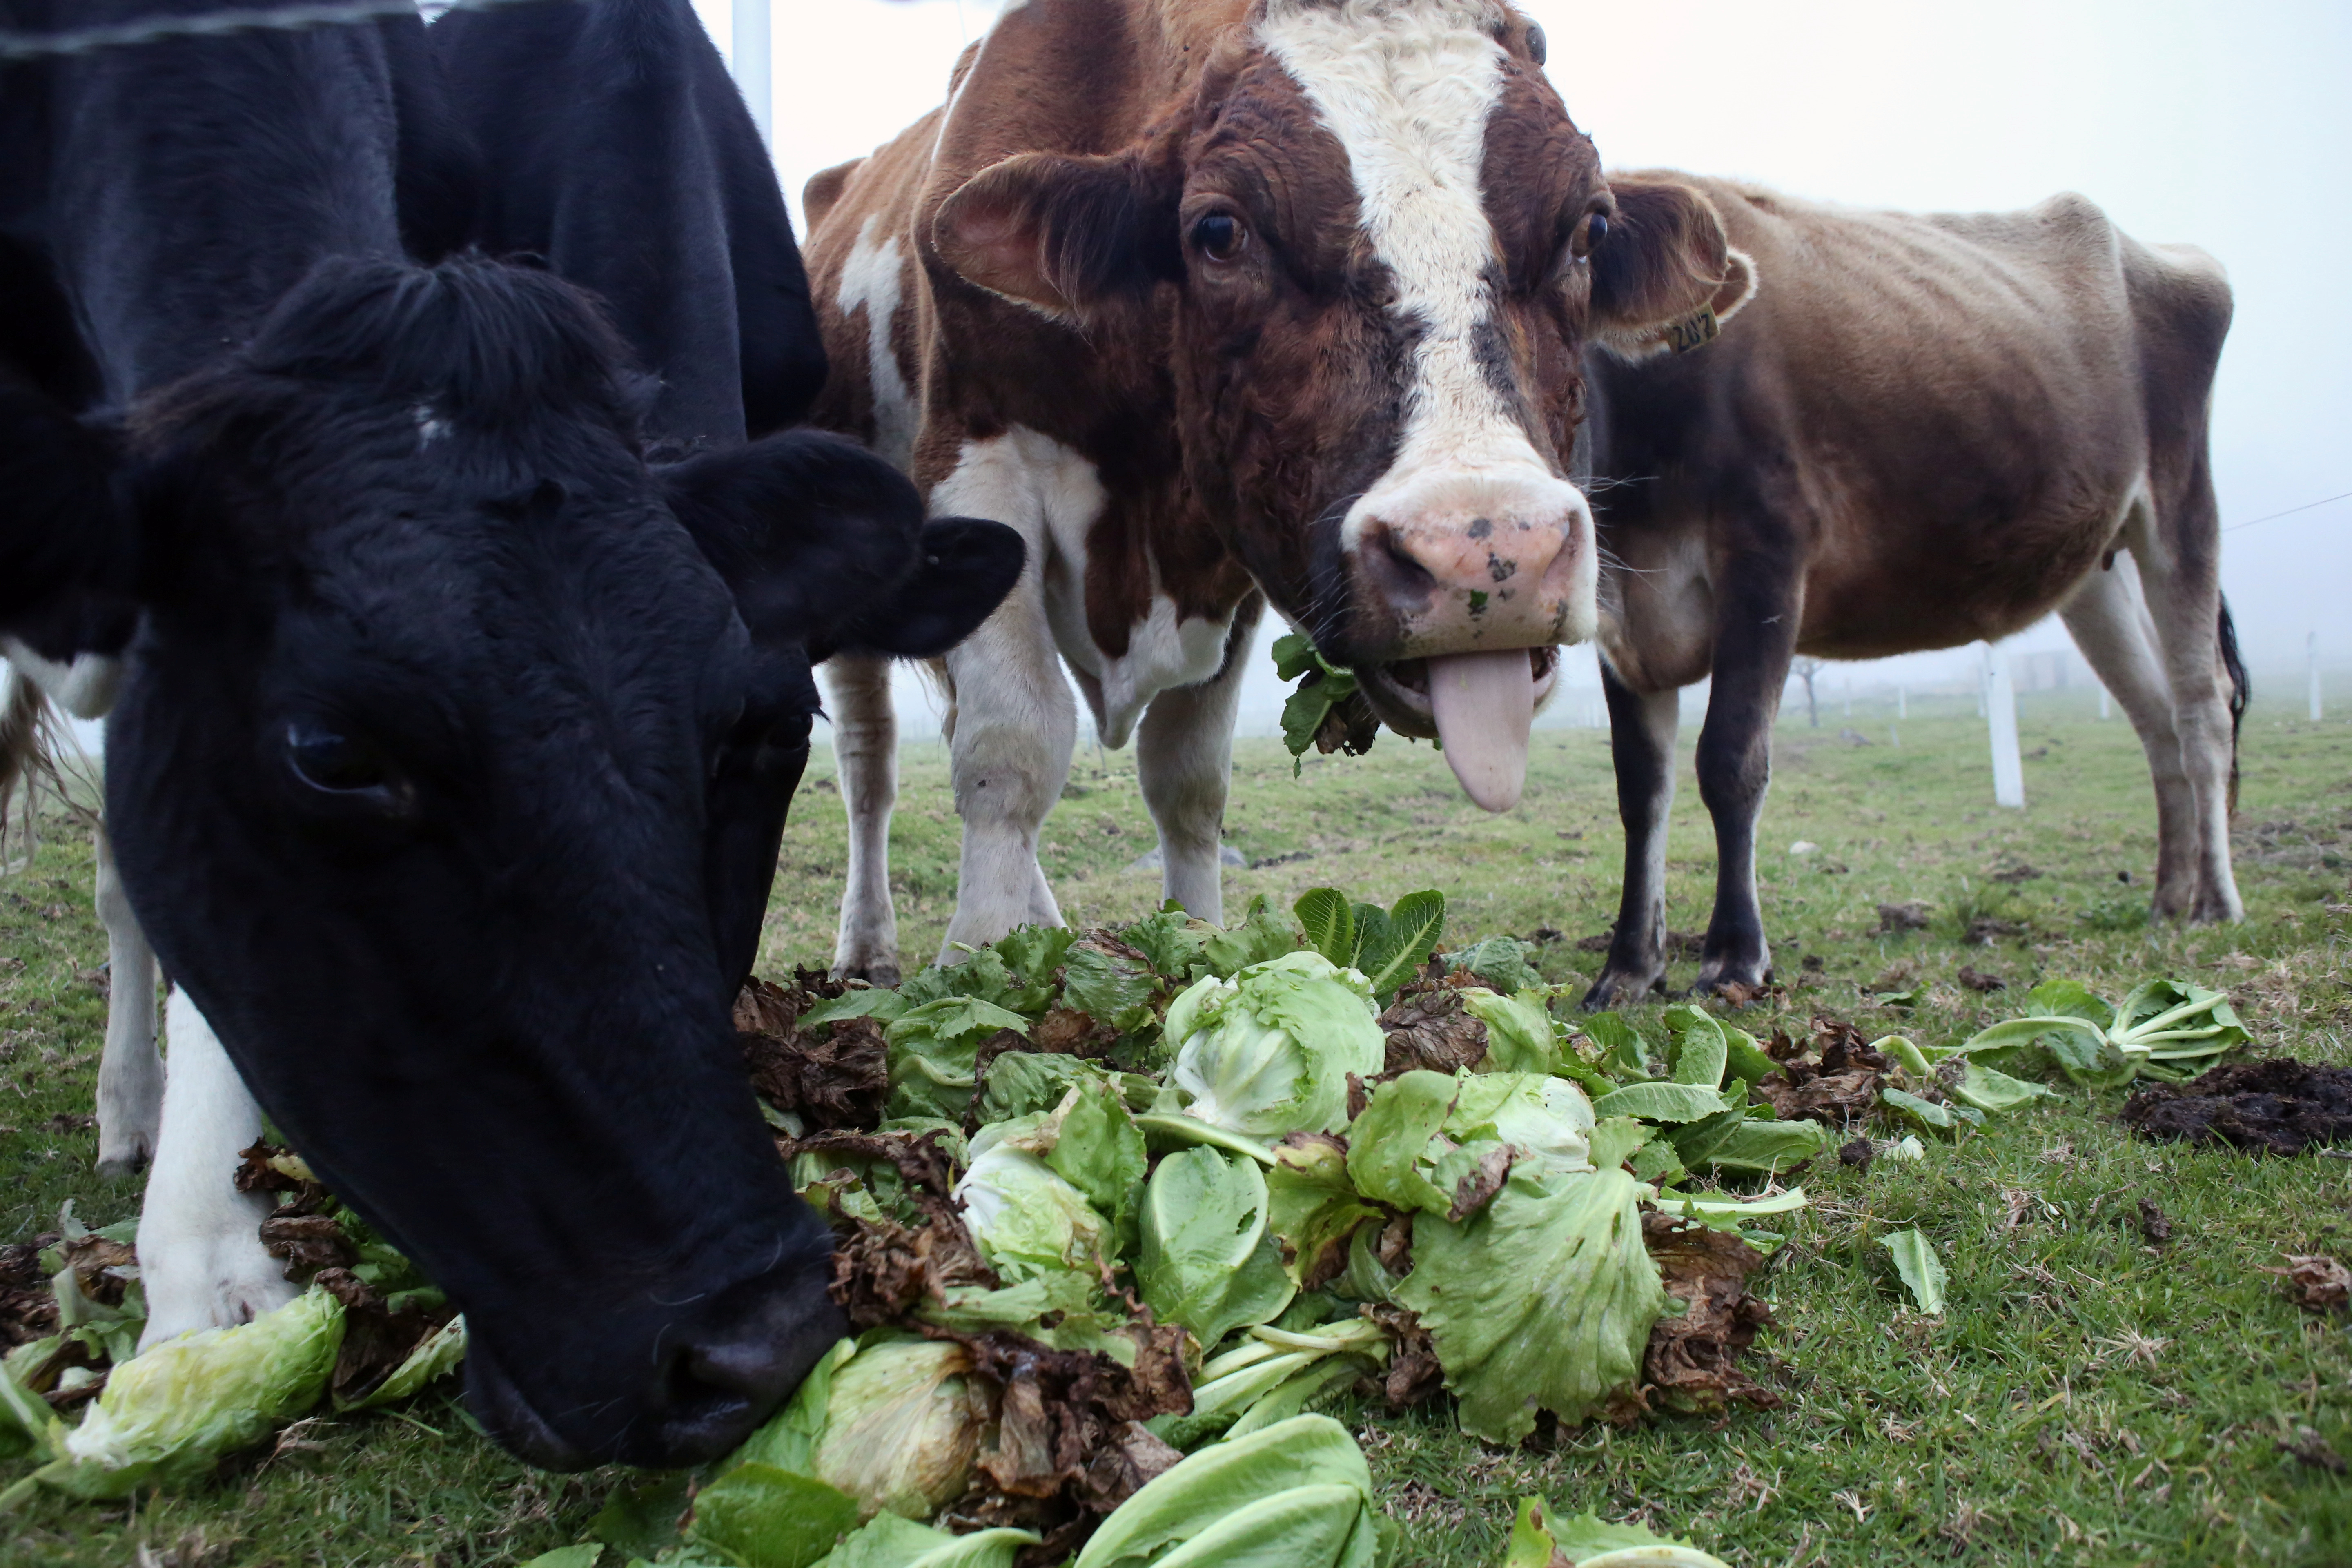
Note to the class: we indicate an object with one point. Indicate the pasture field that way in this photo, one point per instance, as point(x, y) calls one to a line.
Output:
point(2088, 1398)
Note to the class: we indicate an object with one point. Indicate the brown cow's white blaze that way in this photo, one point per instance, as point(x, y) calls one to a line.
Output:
point(1470, 538)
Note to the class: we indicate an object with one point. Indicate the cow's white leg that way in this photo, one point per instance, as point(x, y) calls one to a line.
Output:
point(130, 1073)
point(1015, 720)
point(200, 1256)
point(865, 745)
point(1184, 760)
point(2180, 581)
point(2111, 626)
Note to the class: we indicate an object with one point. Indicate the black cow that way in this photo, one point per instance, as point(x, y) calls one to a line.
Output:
point(455, 737)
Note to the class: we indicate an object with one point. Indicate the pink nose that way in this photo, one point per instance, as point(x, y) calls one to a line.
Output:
point(1486, 565)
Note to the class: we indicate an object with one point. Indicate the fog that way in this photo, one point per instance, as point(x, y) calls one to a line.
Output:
point(2225, 126)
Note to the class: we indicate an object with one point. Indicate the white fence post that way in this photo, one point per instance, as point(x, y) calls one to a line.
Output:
point(1902, 702)
point(2102, 702)
point(755, 66)
point(2000, 713)
point(2311, 656)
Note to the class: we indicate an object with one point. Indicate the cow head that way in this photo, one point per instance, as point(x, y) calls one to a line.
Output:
point(448, 778)
point(1373, 249)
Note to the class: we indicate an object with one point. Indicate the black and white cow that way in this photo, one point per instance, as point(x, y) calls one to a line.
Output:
point(454, 738)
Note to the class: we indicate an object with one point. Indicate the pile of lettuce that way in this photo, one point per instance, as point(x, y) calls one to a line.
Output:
point(105, 1419)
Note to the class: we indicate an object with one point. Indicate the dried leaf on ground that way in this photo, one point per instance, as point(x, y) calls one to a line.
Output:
point(1831, 1076)
point(835, 1080)
point(1414, 1373)
point(2278, 1107)
point(2313, 1449)
point(99, 1266)
point(2318, 1283)
point(28, 1308)
point(2155, 1226)
point(1901, 917)
point(1691, 1363)
point(1977, 980)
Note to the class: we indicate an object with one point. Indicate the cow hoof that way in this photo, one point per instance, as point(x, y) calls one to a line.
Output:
point(1736, 982)
point(881, 974)
point(119, 1163)
point(1623, 987)
point(240, 1292)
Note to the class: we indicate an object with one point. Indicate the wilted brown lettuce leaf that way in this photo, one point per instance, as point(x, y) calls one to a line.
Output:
point(28, 1308)
point(376, 1340)
point(1412, 1373)
point(832, 1080)
point(1427, 1027)
point(1691, 1363)
point(1831, 1076)
point(1070, 1445)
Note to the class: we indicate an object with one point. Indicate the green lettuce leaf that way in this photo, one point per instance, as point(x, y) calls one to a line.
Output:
point(933, 1050)
point(1208, 1258)
point(1269, 1051)
point(169, 1413)
point(1184, 1502)
point(1922, 1270)
point(1312, 1207)
point(1544, 1301)
point(1662, 1101)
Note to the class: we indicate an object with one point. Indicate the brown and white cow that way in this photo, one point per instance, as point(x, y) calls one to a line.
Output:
point(1925, 430)
point(1211, 298)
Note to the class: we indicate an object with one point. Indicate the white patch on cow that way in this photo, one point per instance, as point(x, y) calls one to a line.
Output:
point(1407, 88)
point(200, 1256)
point(872, 277)
point(1162, 650)
point(430, 426)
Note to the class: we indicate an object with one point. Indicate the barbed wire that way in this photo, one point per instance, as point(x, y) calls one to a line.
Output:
point(17, 46)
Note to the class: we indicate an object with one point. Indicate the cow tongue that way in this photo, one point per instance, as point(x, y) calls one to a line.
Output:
point(1483, 703)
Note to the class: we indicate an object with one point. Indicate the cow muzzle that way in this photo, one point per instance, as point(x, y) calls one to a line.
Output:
point(1465, 582)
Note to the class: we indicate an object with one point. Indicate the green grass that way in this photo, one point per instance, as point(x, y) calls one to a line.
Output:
point(2083, 1400)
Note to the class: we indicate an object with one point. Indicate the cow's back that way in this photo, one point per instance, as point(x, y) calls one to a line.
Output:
point(1966, 399)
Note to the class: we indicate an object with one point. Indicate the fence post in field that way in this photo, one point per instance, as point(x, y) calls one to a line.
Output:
point(755, 66)
point(2103, 702)
point(2000, 712)
point(1902, 702)
point(2311, 656)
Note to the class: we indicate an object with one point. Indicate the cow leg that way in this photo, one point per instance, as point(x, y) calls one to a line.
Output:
point(1641, 738)
point(1757, 615)
point(1015, 720)
point(131, 1072)
point(2180, 576)
point(865, 744)
point(2111, 626)
point(200, 1256)
point(1184, 760)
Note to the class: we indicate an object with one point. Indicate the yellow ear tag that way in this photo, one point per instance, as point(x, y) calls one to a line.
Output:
point(1695, 331)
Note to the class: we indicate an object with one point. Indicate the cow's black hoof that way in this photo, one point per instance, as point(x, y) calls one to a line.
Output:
point(1623, 987)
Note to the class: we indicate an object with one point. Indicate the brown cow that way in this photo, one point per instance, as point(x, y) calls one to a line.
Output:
point(1925, 430)
point(1211, 300)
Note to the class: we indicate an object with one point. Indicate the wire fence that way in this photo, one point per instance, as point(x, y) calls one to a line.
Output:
point(18, 45)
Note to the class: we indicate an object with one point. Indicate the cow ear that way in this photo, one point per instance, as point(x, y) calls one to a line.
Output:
point(1666, 276)
point(67, 532)
point(1065, 235)
point(824, 547)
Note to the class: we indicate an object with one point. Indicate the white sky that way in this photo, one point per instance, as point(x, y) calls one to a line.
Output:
point(2229, 126)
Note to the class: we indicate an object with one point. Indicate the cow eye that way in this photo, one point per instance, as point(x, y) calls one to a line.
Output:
point(335, 762)
point(1588, 234)
point(1221, 237)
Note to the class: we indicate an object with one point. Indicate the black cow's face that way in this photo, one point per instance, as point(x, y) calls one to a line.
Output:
point(448, 780)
